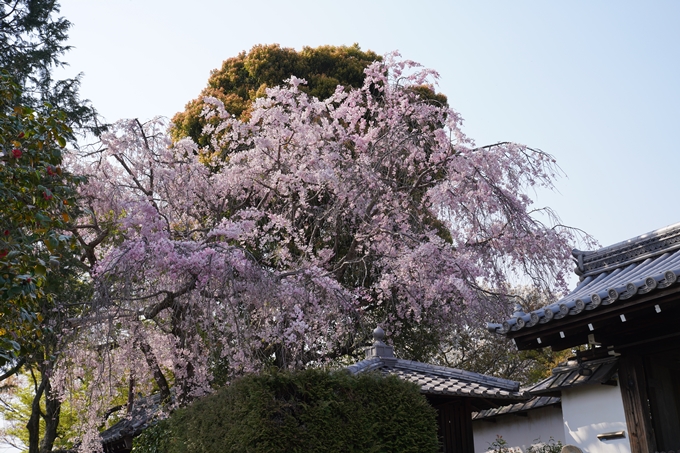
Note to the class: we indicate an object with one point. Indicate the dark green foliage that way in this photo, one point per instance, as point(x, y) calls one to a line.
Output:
point(32, 42)
point(309, 411)
point(38, 203)
point(244, 78)
point(152, 439)
point(41, 281)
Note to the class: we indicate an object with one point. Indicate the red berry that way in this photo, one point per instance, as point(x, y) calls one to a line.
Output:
point(6, 232)
point(3, 253)
point(47, 195)
point(50, 170)
point(21, 135)
point(16, 153)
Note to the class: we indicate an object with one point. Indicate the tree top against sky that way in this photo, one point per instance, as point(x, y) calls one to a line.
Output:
point(244, 78)
point(592, 83)
point(32, 43)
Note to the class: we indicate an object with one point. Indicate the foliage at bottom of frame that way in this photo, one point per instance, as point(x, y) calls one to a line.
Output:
point(500, 445)
point(308, 411)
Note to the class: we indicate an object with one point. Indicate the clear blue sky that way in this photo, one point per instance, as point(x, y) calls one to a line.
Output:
point(596, 84)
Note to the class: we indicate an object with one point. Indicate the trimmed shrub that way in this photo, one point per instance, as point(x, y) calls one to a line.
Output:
point(309, 411)
point(152, 439)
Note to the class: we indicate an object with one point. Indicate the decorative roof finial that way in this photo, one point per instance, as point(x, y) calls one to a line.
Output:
point(380, 349)
point(378, 336)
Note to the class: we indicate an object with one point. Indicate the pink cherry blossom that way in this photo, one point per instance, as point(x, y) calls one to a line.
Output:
point(318, 220)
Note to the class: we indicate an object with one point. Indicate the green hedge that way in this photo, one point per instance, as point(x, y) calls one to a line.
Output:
point(310, 411)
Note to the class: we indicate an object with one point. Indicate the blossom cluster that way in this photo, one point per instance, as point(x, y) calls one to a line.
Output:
point(315, 221)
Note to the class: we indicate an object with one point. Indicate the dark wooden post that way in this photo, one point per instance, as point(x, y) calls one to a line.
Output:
point(455, 426)
point(635, 404)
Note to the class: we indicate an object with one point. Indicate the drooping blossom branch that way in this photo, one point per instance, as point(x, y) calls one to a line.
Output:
point(316, 220)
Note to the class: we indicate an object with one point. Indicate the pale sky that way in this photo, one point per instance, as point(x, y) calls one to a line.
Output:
point(596, 84)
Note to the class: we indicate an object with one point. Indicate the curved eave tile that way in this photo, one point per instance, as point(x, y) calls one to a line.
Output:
point(605, 289)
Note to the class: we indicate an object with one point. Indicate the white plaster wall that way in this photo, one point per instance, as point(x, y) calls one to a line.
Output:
point(520, 432)
point(591, 410)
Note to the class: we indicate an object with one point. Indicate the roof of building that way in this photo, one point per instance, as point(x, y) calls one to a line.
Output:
point(517, 408)
point(439, 380)
point(435, 380)
point(573, 374)
point(644, 264)
point(145, 412)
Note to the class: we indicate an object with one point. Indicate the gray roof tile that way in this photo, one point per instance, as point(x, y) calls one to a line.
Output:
point(573, 374)
point(534, 403)
point(618, 272)
point(145, 411)
point(440, 380)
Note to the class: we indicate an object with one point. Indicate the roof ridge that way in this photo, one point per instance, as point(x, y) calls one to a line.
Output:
point(369, 364)
point(621, 254)
point(505, 384)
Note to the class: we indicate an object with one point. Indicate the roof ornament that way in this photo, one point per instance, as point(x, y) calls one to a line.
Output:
point(560, 310)
point(613, 295)
point(378, 336)
point(545, 315)
point(631, 290)
point(650, 284)
point(635, 250)
point(519, 311)
point(492, 327)
point(579, 306)
point(380, 349)
point(521, 319)
point(669, 278)
point(578, 259)
point(595, 301)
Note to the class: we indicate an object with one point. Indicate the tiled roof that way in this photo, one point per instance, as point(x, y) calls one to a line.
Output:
point(626, 270)
point(439, 380)
point(435, 380)
point(534, 403)
point(570, 374)
point(574, 374)
point(144, 413)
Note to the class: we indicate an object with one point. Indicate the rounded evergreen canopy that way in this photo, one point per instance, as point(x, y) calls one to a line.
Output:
point(245, 77)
